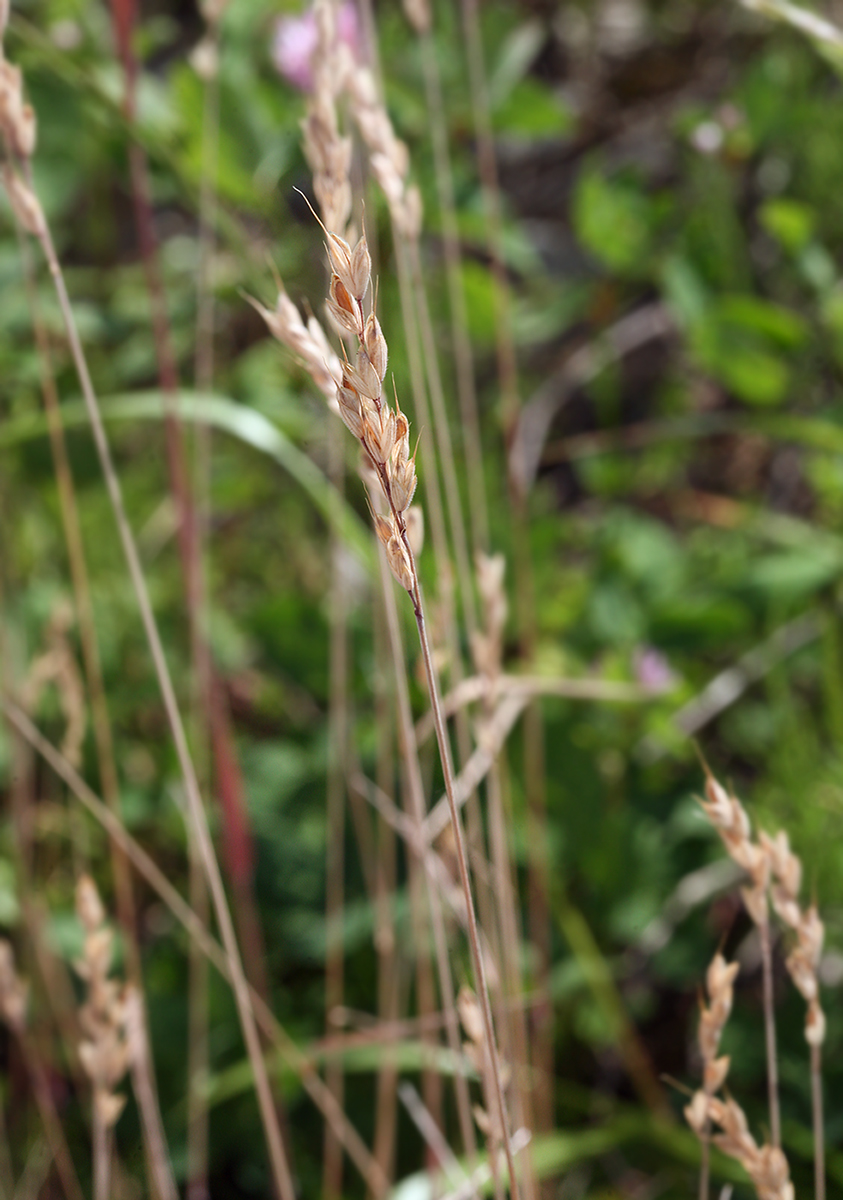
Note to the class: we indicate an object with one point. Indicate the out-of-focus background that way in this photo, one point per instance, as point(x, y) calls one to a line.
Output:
point(671, 187)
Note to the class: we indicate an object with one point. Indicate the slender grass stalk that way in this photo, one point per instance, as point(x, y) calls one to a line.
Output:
point(205, 61)
point(51, 1121)
point(770, 1033)
point(389, 962)
point(278, 1159)
point(13, 999)
point(7, 1179)
point(416, 811)
point(534, 759)
point(818, 1122)
point(102, 1157)
point(384, 437)
point(463, 355)
point(336, 798)
point(442, 430)
point(462, 864)
point(184, 914)
point(146, 1094)
point(153, 1130)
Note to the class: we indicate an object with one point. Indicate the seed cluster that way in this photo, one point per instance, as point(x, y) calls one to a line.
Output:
point(773, 868)
point(804, 960)
point(383, 432)
point(13, 992)
point(18, 127)
point(104, 1052)
point(766, 1165)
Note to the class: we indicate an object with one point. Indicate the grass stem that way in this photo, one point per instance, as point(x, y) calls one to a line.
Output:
point(278, 1159)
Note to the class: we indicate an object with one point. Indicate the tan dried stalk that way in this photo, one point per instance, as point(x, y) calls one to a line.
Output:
point(329, 156)
point(418, 13)
point(104, 1051)
point(719, 980)
point(414, 799)
point(538, 883)
point(384, 436)
point(772, 865)
point(477, 1051)
point(766, 1166)
point(57, 665)
point(197, 930)
point(389, 961)
point(13, 1003)
point(146, 1094)
point(17, 121)
point(311, 346)
point(802, 965)
point(328, 153)
point(487, 652)
point(729, 818)
point(205, 61)
point(154, 1137)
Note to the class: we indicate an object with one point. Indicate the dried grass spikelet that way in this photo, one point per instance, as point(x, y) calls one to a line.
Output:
point(477, 1052)
point(18, 128)
point(383, 432)
point(14, 993)
point(355, 391)
point(803, 961)
point(104, 1050)
point(729, 818)
point(389, 157)
point(487, 646)
point(328, 153)
point(719, 979)
point(58, 666)
point(766, 1165)
point(307, 341)
point(418, 14)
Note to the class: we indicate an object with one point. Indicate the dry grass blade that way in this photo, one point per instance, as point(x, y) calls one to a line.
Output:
point(19, 131)
point(184, 914)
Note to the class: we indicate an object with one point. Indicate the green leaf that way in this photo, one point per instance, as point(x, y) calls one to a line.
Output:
point(789, 222)
point(611, 221)
point(534, 111)
point(238, 420)
point(772, 321)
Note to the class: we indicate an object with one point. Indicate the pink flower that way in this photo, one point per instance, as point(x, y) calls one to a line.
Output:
point(296, 38)
point(652, 670)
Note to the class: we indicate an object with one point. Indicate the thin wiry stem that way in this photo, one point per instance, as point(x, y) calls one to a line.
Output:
point(504, 891)
point(478, 965)
point(50, 1120)
point(705, 1163)
point(389, 964)
point(534, 774)
point(297, 1061)
point(278, 1159)
point(818, 1122)
point(416, 797)
point(770, 1034)
point(198, 999)
point(146, 1095)
point(153, 1130)
point(335, 840)
point(102, 1157)
point(472, 443)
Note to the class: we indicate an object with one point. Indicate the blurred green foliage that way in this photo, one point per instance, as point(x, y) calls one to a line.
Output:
point(717, 199)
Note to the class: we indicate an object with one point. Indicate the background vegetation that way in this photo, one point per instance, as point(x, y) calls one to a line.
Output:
point(673, 165)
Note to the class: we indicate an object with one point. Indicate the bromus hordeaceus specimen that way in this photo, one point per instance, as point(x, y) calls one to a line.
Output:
point(384, 436)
